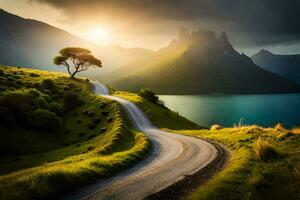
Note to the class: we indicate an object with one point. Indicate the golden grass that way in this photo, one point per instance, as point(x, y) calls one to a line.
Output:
point(246, 176)
point(264, 150)
point(215, 127)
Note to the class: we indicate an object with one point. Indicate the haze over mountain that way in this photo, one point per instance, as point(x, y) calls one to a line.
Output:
point(202, 63)
point(284, 65)
point(31, 43)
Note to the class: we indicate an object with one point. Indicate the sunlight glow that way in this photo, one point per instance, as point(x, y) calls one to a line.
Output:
point(98, 35)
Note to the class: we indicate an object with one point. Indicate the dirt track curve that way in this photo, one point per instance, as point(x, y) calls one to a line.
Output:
point(173, 158)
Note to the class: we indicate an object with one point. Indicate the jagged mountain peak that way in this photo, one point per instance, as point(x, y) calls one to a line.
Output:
point(200, 63)
point(224, 37)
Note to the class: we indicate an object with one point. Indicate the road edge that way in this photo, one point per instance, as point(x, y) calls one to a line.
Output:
point(184, 187)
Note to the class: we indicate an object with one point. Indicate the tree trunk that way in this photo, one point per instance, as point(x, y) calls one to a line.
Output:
point(73, 76)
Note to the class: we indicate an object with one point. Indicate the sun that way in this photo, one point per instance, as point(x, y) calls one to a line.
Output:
point(98, 35)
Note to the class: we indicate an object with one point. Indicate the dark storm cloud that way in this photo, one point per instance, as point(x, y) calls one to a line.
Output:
point(255, 22)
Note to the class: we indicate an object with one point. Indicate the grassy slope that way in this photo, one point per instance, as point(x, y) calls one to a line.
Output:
point(76, 157)
point(248, 177)
point(160, 116)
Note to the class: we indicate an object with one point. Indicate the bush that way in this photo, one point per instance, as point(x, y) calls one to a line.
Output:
point(71, 100)
point(215, 127)
point(40, 102)
point(44, 120)
point(264, 150)
point(17, 102)
point(148, 95)
point(56, 108)
point(48, 84)
point(34, 75)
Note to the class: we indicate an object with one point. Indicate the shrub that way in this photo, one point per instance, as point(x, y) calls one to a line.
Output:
point(71, 100)
point(19, 82)
point(215, 127)
point(56, 108)
point(34, 75)
point(44, 120)
point(148, 95)
point(34, 93)
point(40, 102)
point(17, 102)
point(37, 85)
point(48, 84)
point(264, 150)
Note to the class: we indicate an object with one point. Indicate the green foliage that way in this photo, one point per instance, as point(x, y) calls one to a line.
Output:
point(148, 95)
point(45, 121)
point(40, 166)
point(34, 75)
point(160, 116)
point(71, 100)
point(48, 84)
point(56, 108)
point(40, 102)
point(76, 59)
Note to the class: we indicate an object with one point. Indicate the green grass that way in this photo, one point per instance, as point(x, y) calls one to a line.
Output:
point(247, 176)
point(160, 116)
point(96, 140)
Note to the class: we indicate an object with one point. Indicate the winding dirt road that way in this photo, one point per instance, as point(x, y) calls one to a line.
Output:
point(173, 158)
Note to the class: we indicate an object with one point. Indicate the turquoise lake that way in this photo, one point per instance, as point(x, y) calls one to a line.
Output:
point(227, 110)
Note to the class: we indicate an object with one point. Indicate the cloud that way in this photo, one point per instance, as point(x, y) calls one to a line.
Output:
point(250, 22)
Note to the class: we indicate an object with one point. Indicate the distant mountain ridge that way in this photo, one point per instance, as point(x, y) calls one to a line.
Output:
point(31, 43)
point(284, 65)
point(200, 63)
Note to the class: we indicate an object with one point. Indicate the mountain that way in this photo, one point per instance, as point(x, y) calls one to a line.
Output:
point(284, 65)
point(31, 43)
point(200, 63)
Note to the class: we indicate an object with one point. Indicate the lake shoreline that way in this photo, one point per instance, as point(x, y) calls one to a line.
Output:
point(226, 109)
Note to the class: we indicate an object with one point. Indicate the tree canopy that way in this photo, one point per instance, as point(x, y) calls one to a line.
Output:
point(76, 59)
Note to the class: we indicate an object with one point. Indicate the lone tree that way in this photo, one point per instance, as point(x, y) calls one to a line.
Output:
point(76, 60)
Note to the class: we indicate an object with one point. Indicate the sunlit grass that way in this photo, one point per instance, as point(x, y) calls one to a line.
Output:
point(79, 156)
point(264, 150)
point(159, 115)
point(247, 176)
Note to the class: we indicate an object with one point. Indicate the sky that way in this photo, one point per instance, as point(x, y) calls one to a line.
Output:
point(250, 25)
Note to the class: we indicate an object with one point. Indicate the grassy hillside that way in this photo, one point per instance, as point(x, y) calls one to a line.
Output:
point(264, 164)
point(159, 115)
point(57, 135)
